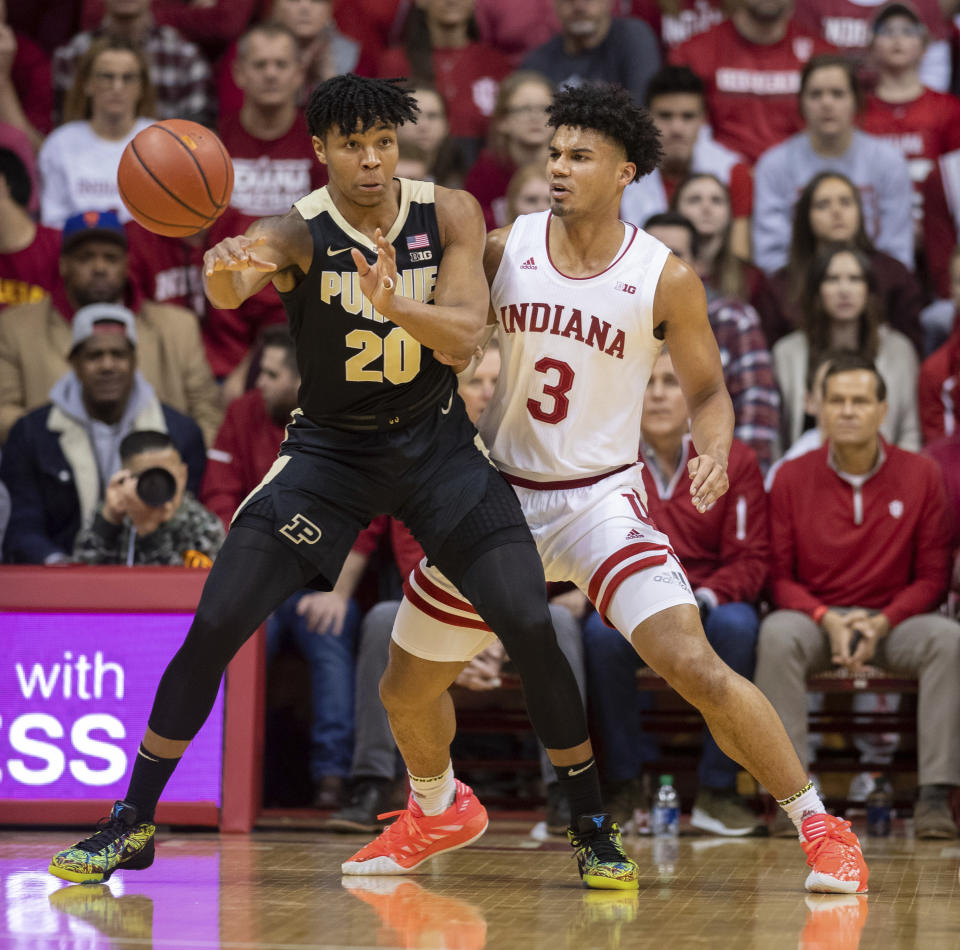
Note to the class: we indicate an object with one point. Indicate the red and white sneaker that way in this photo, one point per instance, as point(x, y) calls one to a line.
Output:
point(833, 851)
point(414, 837)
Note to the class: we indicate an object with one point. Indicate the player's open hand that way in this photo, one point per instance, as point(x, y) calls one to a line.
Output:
point(236, 253)
point(708, 481)
point(379, 282)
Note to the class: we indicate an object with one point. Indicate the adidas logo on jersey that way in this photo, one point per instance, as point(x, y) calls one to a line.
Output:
point(529, 264)
point(634, 534)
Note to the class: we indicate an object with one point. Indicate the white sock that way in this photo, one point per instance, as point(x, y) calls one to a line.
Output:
point(804, 805)
point(435, 794)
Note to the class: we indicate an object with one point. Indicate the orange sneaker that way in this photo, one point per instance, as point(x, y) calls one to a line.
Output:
point(834, 922)
point(833, 852)
point(415, 917)
point(414, 837)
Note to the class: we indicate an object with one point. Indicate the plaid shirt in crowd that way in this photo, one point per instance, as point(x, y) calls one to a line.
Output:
point(748, 373)
point(178, 70)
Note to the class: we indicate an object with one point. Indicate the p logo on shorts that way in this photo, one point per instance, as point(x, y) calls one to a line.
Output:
point(301, 529)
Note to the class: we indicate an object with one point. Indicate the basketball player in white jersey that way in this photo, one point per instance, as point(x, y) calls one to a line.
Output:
point(583, 304)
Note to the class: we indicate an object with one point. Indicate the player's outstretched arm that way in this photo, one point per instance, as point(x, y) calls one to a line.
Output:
point(680, 305)
point(236, 268)
point(454, 323)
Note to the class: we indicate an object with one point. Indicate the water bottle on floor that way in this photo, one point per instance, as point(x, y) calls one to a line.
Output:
point(666, 809)
point(879, 804)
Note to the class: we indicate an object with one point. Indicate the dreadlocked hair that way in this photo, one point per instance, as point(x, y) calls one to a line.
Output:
point(609, 109)
point(356, 104)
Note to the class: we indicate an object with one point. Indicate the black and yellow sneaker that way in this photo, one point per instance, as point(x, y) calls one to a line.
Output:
point(600, 856)
point(120, 843)
point(129, 917)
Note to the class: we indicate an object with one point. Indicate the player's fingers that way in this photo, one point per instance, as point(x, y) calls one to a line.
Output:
point(363, 268)
point(260, 264)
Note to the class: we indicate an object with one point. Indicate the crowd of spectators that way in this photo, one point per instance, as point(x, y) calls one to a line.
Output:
point(810, 175)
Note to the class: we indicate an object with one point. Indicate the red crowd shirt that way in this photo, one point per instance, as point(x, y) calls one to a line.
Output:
point(848, 24)
point(727, 548)
point(269, 176)
point(692, 17)
point(170, 270)
point(751, 89)
point(34, 272)
point(938, 389)
point(467, 78)
point(883, 546)
point(406, 552)
point(946, 453)
point(375, 24)
point(244, 449)
point(487, 181)
point(941, 212)
point(34, 83)
point(923, 129)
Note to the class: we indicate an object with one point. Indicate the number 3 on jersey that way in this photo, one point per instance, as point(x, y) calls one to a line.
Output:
point(557, 390)
point(400, 352)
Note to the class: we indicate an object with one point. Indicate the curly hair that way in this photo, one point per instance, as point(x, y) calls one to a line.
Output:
point(355, 103)
point(610, 109)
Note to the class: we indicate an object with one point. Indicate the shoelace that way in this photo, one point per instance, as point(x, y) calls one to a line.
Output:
point(602, 844)
point(110, 829)
point(839, 833)
point(405, 824)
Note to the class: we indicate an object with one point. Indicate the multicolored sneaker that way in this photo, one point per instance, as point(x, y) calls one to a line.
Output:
point(416, 917)
point(129, 917)
point(833, 851)
point(600, 856)
point(414, 837)
point(120, 843)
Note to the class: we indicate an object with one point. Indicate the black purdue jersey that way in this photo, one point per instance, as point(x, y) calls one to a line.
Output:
point(354, 363)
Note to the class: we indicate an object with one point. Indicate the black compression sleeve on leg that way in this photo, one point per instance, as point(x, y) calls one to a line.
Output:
point(252, 575)
point(507, 588)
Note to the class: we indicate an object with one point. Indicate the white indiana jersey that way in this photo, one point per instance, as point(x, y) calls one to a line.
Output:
point(576, 355)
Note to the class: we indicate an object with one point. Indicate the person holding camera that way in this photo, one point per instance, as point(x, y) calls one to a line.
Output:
point(59, 458)
point(147, 516)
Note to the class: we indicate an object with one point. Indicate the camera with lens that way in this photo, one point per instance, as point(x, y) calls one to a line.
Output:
point(156, 486)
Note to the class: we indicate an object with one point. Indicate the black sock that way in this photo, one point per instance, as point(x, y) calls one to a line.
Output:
point(581, 785)
point(149, 778)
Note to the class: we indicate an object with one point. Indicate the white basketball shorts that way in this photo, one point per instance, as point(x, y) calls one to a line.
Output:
point(598, 535)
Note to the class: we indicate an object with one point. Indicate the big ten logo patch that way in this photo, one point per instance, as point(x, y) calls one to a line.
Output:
point(301, 530)
point(626, 288)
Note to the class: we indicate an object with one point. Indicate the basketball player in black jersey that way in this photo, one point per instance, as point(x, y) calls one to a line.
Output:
point(377, 275)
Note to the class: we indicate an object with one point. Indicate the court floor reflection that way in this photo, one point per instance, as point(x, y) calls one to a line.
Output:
point(282, 890)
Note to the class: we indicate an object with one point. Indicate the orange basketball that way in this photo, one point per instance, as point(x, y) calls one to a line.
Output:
point(175, 177)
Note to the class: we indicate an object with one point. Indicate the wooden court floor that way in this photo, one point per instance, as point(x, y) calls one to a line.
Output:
point(282, 890)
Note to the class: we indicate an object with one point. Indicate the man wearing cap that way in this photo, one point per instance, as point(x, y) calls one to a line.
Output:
point(60, 457)
point(921, 122)
point(35, 337)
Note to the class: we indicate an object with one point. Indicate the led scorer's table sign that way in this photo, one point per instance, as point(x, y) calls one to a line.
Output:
point(81, 652)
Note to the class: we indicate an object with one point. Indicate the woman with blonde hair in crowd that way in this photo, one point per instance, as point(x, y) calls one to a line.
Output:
point(830, 210)
point(109, 103)
point(519, 135)
point(841, 312)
